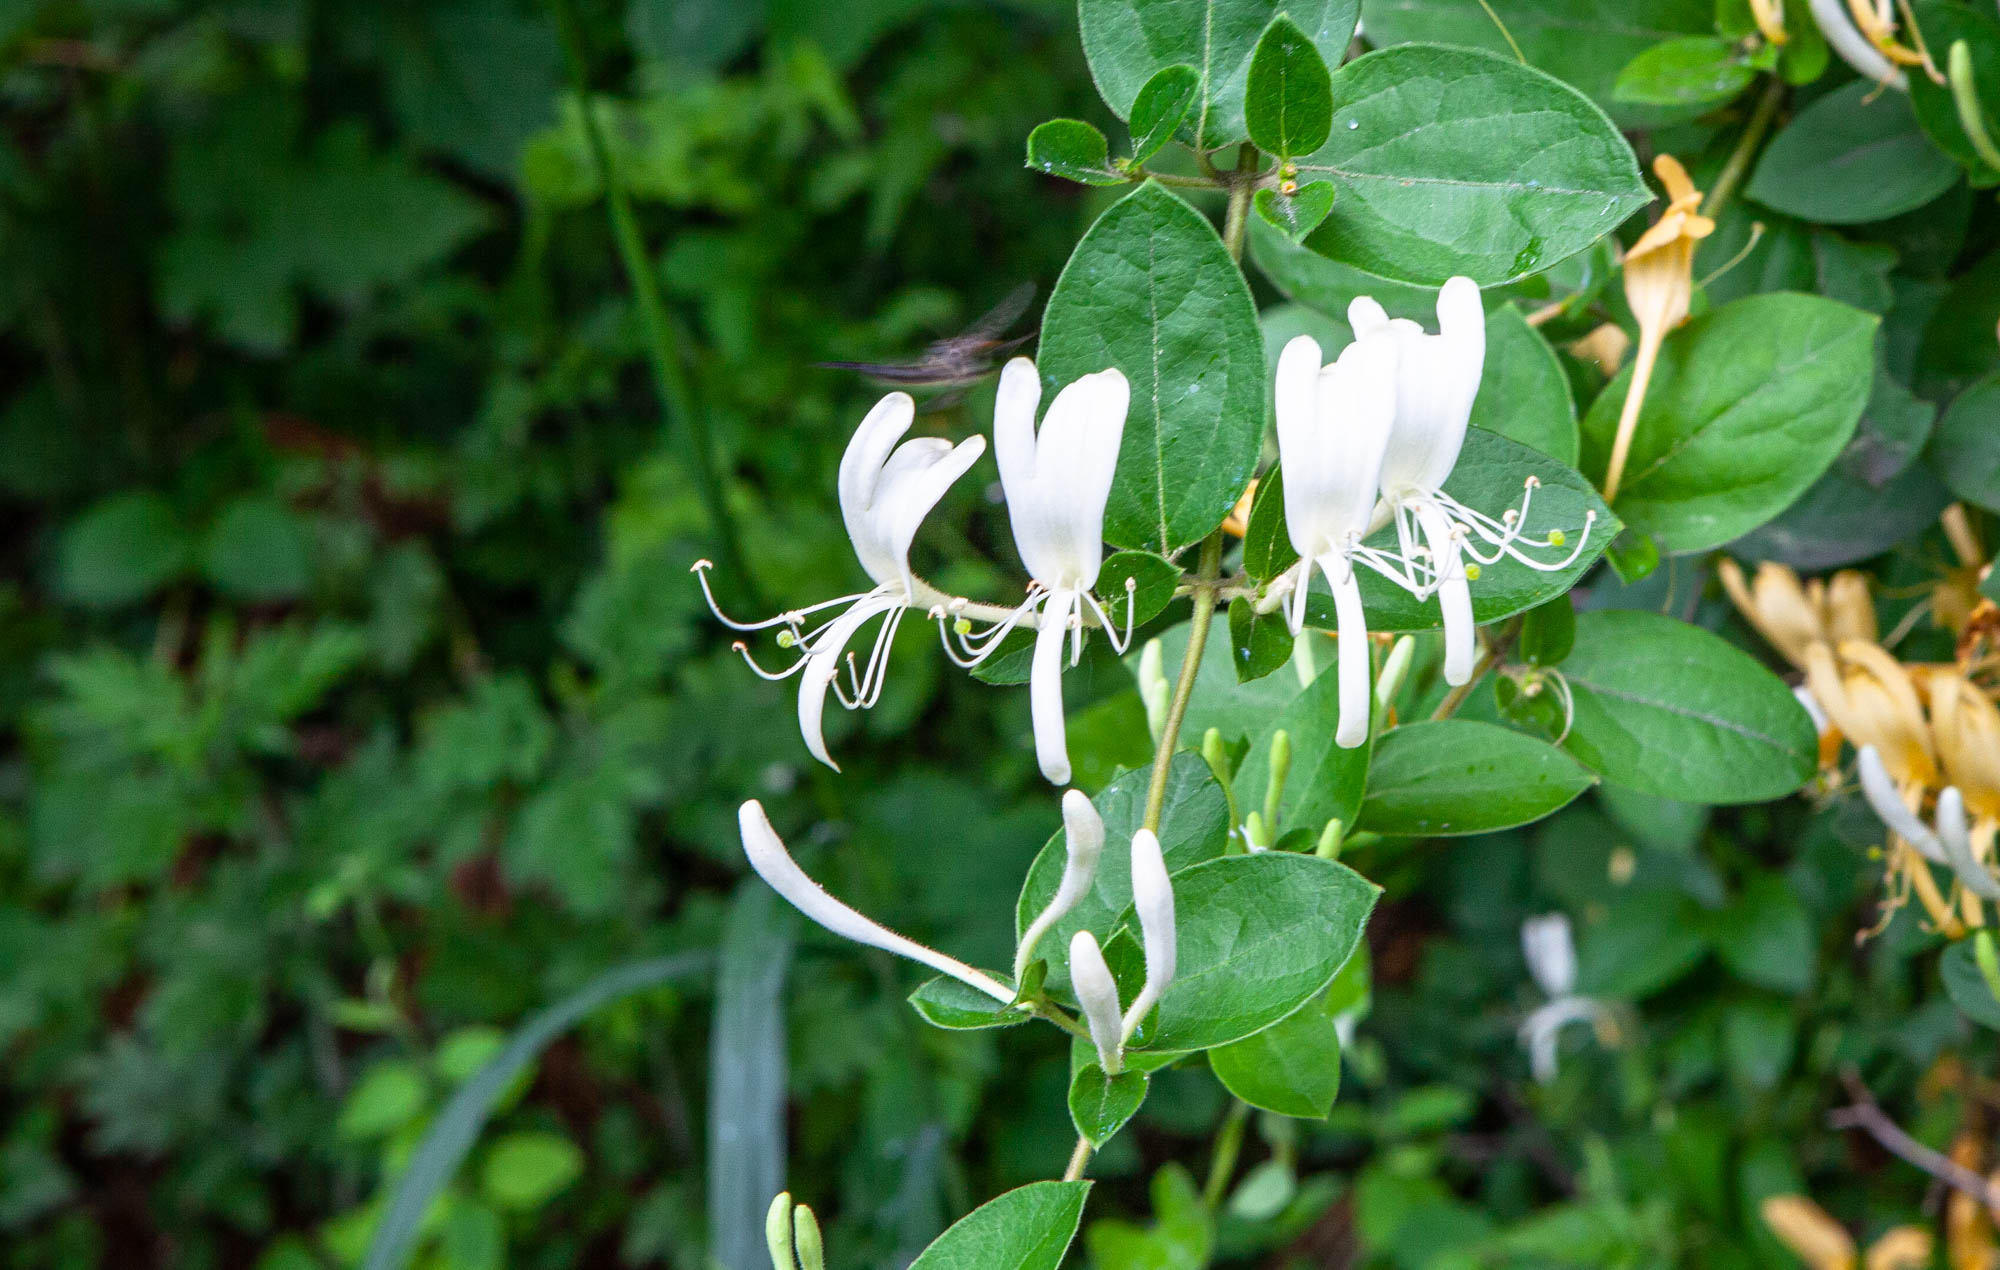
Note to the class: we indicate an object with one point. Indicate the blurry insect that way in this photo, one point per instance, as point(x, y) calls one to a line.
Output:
point(959, 360)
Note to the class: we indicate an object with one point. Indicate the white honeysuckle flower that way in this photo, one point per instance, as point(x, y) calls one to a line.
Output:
point(1814, 710)
point(1056, 482)
point(1097, 996)
point(886, 490)
point(1948, 841)
point(1153, 901)
point(1083, 843)
point(1333, 429)
point(1437, 381)
point(1551, 954)
point(1845, 39)
point(773, 863)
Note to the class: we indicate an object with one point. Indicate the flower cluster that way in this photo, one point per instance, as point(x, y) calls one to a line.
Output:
point(1365, 442)
point(1925, 735)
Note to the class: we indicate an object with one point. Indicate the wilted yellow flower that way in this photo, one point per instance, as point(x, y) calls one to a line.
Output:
point(1966, 725)
point(1900, 1248)
point(1792, 615)
point(1968, 1234)
point(1604, 348)
point(1871, 698)
point(1813, 1236)
point(1659, 284)
point(1770, 18)
point(1877, 22)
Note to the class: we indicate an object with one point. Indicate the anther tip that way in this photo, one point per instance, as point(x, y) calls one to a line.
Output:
point(699, 565)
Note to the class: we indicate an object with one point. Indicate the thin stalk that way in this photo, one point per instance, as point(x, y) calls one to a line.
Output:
point(1242, 182)
point(1077, 1160)
point(1738, 164)
point(1170, 731)
point(1650, 340)
point(669, 380)
point(1228, 1146)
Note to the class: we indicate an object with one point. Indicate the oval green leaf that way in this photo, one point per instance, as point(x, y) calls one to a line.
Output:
point(1099, 1105)
point(1945, 24)
point(1258, 936)
point(1073, 150)
point(1151, 291)
point(1030, 1228)
point(1291, 1067)
point(1288, 96)
point(1451, 161)
point(1670, 709)
point(1747, 406)
point(1457, 776)
point(1967, 450)
point(1855, 155)
point(1161, 107)
point(1690, 70)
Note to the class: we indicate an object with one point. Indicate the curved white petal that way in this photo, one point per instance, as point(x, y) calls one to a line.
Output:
point(1014, 405)
point(1454, 594)
point(1045, 703)
point(767, 855)
point(1853, 47)
point(1366, 317)
point(1356, 677)
point(1551, 952)
point(824, 662)
point(1097, 996)
point(1153, 901)
point(1880, 790)
point(1437, 380)
point(913, 480)
point(1331, 439)
point(869, 448)
point(1056, 498)
point(1955, 837)
point(1083, 844)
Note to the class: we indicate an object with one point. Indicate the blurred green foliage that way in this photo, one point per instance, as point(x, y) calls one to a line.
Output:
point(357, 702)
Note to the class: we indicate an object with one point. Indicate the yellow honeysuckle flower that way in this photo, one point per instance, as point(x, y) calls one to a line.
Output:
point(1822, 1243)
point(1769, 16)
point(1792, 614)
point(1877, 23)
point(1871, 698)
point(1966, 725)
point(1659, 284)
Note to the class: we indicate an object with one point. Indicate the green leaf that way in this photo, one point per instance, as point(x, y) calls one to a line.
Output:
point(1967, 449)
point(1766, 936)
point(945, 1002)
point(1853, 156)
point(1151, 291)
point(1325, 780)
point(1491, 477)
point(1161, 107)
point(1690, 70)
point(1127, 42)
point(1648, 939)
point(1959, 968)
point(1943, 25)
point(1669, 709)
point(1073, 150)
point(1587, 43)
point(1747, 406)
point(1267, 544)
point(256, 551)
point(1025, 1229)
point(452, 1133)
point(1154, 578)
point(1260, 642)
point(389, 1096)
point(1296, 214)
point(1258, 937)
point(749, 1064)
point(1451, 777)
point(1288, 96)
point(1291, 1067)
point(122, 549)
point(1099, 1105)
point(1525, 394)
point(1194, 826)
point(1451, 161)
point(525, 1170)
point(1548, 632)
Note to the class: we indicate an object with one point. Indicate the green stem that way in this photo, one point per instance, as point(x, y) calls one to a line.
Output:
point(1204, 614)
point(1965, 96)
point(1077, 1160)
point(1241, 184)
point(1733, 171)
point(1228, 1145)
point(669, 380)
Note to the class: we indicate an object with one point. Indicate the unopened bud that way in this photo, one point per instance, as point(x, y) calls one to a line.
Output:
point(778, 1232)
point(1331, 839)
point(1154, 690)
point(1274, 788)
point(1395, 668)
point(806, 1238)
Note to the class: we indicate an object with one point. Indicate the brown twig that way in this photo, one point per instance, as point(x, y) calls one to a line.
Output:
point(1867, 1115)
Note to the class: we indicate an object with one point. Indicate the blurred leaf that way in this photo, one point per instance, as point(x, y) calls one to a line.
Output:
point(1694, 70)
point(256, 551)
point(747, 1082)
point(525, 1170)
point(1967, 450)
point(121, 550)
point(1457, 776)
point(1853, 156)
